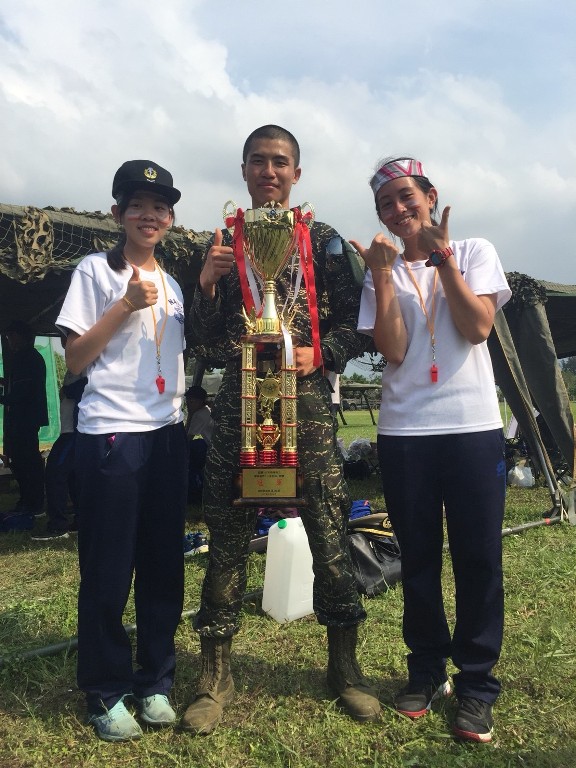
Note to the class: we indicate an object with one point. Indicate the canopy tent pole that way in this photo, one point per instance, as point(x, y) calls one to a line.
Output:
point(510, 378)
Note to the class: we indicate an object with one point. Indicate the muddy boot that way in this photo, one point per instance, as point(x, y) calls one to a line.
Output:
point(345, 679)
point(215, 688)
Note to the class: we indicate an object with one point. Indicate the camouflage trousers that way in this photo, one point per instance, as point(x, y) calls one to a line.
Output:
point(336, 599)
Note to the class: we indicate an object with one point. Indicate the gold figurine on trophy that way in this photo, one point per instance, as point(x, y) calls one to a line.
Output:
point(265, 241)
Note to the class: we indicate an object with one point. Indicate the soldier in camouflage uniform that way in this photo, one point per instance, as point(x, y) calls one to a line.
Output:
point(270, 168)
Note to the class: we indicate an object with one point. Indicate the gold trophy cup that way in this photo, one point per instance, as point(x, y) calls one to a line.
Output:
point(268, 448)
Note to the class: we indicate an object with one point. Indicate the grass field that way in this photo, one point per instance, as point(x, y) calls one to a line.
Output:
point(283, 715)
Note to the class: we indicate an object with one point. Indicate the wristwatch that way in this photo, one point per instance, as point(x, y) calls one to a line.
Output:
point(437, 258)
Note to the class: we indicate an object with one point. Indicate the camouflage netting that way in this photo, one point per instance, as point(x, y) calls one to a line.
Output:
point(525, 290)
point(39, 248)
point(556, 304)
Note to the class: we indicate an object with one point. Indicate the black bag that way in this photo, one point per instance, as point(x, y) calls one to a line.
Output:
point(375, 554)
point(357, 470)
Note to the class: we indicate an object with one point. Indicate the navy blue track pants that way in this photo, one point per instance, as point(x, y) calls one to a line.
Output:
point(132, 488)
point(461, 477)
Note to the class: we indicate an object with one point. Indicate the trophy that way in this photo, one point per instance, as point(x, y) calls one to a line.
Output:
point(265, 241)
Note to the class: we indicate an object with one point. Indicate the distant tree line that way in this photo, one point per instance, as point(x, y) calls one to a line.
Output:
point(375, 363)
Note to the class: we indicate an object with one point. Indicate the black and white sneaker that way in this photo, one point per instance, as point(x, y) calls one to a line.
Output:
point(474, 720)
point(415, 700)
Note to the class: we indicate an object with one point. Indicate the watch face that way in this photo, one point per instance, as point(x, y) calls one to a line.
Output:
point(436, 258)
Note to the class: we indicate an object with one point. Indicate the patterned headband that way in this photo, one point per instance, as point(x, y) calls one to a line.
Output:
point(394, 170)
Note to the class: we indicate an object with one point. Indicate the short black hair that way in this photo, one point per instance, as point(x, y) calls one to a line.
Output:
point(272, 132)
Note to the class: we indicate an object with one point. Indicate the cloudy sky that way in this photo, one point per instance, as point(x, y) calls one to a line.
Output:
point(482, 91)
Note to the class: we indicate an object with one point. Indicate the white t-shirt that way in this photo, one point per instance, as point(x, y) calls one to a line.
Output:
point(121, 394)
point(464, 397)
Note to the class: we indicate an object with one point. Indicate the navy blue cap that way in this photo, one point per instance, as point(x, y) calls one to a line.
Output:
point(146, 175)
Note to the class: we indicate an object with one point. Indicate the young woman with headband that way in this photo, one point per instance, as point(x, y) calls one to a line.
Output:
point(430, 306)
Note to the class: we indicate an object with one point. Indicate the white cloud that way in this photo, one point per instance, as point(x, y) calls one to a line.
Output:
point(85, 86)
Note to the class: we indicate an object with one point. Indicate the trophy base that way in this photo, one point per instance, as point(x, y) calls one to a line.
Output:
point(270, 487)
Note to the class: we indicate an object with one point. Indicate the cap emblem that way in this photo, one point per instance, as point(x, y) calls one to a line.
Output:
point(151, 173)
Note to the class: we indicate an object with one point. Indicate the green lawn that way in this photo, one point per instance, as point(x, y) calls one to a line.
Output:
point(358, 425)
point(283, 716)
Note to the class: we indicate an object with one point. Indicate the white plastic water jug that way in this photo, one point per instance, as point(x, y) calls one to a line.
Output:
point(289, 578)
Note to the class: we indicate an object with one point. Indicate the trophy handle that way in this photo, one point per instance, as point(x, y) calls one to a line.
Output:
point(229, 212)
point(308, 213)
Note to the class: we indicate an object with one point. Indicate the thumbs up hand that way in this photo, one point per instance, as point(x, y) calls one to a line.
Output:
point(435, 237)
point(219, 262)
point(140, 293)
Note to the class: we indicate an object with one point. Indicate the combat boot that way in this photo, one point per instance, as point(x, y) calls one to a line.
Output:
point(345, 678)
point(215, 687)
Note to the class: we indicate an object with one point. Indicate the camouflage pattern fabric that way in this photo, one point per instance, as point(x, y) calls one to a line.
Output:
point(219, 326)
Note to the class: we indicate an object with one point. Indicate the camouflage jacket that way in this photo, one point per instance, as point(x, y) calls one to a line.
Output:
point(217, 326)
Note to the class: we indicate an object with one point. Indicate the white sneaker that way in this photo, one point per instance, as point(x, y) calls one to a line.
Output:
point(156, 710)
point(116, 725)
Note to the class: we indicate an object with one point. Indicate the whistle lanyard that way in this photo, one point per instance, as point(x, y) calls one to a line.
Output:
point(430, 318)
point(159, 334)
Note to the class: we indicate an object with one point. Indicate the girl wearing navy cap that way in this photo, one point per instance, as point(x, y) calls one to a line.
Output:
point(124, 320)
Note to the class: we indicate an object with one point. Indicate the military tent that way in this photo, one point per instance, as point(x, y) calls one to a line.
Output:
point(534, 330)
point(39, 249)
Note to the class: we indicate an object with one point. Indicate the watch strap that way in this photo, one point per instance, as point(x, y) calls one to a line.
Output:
point(438, 257)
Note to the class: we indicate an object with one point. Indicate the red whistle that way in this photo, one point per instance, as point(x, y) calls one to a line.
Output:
point(433, 374)
point(160, 383)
